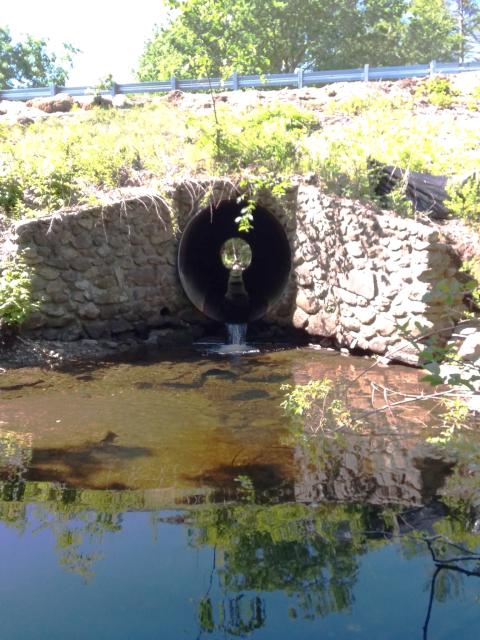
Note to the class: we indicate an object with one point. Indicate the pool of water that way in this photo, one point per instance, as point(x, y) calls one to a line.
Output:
point(166, 497)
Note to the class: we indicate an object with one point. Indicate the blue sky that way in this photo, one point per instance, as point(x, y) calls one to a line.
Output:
point(110, 33)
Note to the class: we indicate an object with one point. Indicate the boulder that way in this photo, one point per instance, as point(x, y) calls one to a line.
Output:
point(121, 102)
point(94, 100)
point(60, 103)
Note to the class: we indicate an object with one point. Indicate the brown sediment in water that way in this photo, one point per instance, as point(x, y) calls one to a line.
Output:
point(200, 424)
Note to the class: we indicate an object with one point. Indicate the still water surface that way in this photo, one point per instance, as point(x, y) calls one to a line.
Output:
point(165, 498)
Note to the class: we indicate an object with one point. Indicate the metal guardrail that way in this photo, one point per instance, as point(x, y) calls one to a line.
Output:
point(300, 78)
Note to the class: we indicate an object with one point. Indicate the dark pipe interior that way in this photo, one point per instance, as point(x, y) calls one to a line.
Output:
point(205, 278)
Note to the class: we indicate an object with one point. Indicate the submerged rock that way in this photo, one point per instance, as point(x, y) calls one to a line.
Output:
point(250, 394)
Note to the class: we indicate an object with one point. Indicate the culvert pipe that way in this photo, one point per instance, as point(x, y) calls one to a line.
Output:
point(211, 286)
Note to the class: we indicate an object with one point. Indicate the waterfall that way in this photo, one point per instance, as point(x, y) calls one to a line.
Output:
point(237, 333)
point(235, 344)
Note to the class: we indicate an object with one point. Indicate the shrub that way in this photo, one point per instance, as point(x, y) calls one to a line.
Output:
point(464, 199)
point(15, 293)
point(11, 193)
point(438, 91)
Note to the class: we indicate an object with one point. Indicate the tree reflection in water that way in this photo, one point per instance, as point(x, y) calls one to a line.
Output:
point(309, 552)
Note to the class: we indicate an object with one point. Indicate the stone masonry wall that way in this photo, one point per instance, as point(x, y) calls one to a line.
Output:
point(357, 272)
point(360, 273)
point(102, 271)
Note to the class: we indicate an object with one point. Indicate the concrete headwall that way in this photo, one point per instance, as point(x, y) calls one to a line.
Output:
point(358, 273)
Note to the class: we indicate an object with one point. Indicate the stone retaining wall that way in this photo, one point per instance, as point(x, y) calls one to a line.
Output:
point(361, 273)
point(358, 272)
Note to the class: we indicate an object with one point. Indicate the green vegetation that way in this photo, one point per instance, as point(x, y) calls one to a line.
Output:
point(30, 63)
point(15, 294)
point(216, 37)
point(472, 269)
point(464, 201)
point(60, 163)
point(236, 253)
point(438, 91)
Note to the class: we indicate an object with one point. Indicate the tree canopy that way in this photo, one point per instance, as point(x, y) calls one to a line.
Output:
point(29, 62)
point(216, 37)
point(467, 15)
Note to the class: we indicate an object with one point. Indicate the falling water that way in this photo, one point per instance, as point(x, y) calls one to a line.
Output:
point(237, 334)
point(235, 344)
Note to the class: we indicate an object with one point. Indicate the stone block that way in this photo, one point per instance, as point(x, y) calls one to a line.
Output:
point(31, 257)
point(109, 296)
point(120, 325)
point(70, 276)
point(60, 321)
point(53, 310)
point(361, 282)
point(78, 296)
point(394, 244)
point(116, 241)
point(470, 348)
point(109, 311)
point(105, 281)
point(86, 221)
point(48, 273)
point(60, 297)
point(385, 326)
point(323, 324)
point(354, 249)
point(79, 263)
point(89, 311)
point(365, 315)
point(306, 301)
point(35, 320)
point(350, 323)
point(38, 283)
point(144, 276)
point(97, 329)
point(71, 333)
point(104, 251)
point(304, 273)
point(82, 240)
point(300, 319)
point(83, 285)
point(379, 345)
point(44, 239)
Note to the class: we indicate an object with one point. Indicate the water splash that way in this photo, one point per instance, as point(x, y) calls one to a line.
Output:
point(237, 334)
point(236, 343)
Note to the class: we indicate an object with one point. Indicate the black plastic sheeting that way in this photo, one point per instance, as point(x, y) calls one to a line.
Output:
point(204, 277)
point(427, 193)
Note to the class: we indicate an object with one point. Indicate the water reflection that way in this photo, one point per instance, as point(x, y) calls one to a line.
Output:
point(163, 498)
point(256, 565)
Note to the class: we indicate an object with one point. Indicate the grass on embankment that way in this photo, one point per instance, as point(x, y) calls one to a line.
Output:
point(56, 163)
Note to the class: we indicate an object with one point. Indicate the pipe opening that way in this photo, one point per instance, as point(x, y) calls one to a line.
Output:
point(233, 276)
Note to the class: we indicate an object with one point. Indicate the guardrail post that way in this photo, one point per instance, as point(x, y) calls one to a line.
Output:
point(114, 89)
point(234, 80)
point(366, 69)
point(53, 89)
point(300, 78)
point(433, 67)
point(173, 83)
